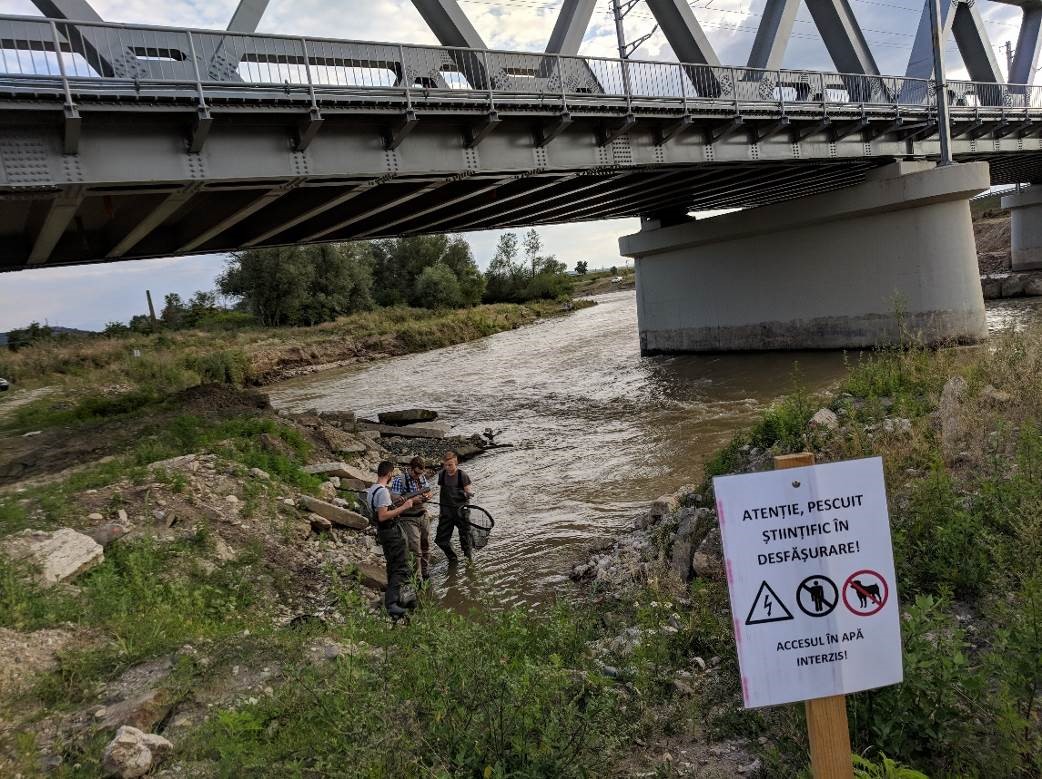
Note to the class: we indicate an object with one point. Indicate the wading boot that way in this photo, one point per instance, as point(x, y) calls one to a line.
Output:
point(396, 612)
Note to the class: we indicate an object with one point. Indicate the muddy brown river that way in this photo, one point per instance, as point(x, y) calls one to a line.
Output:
point(598, 430)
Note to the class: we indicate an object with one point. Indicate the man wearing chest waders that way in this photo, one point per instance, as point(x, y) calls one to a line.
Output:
point(455, 492)
point(391, 538)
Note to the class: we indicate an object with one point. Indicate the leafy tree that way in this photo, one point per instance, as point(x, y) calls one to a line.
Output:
point(438, 287)
point(300, 285)
point(398, 264)
point(26, 336)
point(614, 271)
point(581, 267)
point(511, 280)
point(174, 310)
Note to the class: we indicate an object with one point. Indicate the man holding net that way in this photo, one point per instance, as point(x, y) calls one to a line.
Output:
point(452, 499)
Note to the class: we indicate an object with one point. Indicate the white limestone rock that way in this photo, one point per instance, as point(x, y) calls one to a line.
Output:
point(60, 555)
point(133, 753)
point(825, 419)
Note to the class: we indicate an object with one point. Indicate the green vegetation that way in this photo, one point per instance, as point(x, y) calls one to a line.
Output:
point(514, 279)
point(509, 694)
point(967, 533)
point(102, 376)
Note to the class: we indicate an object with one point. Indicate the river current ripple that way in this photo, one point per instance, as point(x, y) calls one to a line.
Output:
point(599, 431)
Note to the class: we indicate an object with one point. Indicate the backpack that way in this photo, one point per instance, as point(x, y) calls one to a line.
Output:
point(368, 508)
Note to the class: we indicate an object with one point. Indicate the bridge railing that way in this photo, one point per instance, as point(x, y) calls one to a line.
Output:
point(100, 58)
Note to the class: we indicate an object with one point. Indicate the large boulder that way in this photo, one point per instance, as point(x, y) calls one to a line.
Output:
point(133, 753)
point(409, 416)
point(60, 555)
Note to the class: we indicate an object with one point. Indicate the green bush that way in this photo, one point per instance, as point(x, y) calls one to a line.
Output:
point(939, 544)
point(937, 717)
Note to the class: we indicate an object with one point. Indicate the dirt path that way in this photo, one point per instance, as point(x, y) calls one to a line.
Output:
point(12, 400)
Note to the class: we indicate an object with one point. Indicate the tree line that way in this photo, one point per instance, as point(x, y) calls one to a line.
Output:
point(308, 285)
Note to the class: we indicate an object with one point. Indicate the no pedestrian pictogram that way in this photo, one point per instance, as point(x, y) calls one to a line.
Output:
point(865, 593)
point(817, 596)
point(767, 607)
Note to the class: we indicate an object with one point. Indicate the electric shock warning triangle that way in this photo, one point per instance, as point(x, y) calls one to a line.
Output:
point(767, 607)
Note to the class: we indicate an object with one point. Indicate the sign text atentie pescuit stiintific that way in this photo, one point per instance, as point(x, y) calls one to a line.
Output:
point(810, 569)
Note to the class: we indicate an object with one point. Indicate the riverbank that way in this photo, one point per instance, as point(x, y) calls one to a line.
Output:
point(232, 623)
point(91, 378)
point(960, 433)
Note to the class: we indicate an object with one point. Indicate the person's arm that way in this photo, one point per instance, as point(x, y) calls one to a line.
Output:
point(467, 489)
point(385, 513)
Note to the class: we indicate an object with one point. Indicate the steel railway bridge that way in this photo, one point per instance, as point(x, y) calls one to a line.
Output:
point(127, 141)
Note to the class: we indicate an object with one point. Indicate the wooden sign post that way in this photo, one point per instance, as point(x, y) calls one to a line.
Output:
point(826, 717)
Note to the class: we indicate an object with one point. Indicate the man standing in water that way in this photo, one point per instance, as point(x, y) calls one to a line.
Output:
point(455, 492)
point(390, 536)
point(414, 521)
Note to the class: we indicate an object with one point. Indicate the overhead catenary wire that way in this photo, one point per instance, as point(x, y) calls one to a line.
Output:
point(752, 30)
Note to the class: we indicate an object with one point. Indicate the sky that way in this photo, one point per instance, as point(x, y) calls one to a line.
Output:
point(90, 296)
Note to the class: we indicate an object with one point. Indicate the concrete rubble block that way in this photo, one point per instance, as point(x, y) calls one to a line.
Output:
point(1033, 286)
point(133, 753)
point(825, 419)
point(339, 441)
point(408, 416)
point(320, 524)
point(664, 506)
point(338, 516)
point(341, 417)
point(343, 470)
point(327, 490)
point(107, 533)
point(60, 555)
point(408, 431)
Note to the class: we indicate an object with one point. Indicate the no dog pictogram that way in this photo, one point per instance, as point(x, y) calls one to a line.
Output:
point(868, 590)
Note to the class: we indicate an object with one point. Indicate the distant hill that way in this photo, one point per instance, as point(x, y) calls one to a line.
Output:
point(57, 329)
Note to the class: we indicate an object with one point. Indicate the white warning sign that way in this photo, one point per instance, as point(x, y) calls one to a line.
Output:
point(810, 570)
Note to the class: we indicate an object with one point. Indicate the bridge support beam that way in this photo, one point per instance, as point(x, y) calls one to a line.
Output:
point(1026, 228)
point(853, 268)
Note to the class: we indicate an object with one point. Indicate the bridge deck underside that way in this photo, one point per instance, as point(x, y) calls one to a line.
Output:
point(151, 176)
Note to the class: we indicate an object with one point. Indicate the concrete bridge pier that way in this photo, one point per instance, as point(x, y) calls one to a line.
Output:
point(853, 268)
point(1026, 227)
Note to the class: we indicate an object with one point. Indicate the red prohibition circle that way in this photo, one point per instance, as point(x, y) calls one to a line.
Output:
point(848, 585)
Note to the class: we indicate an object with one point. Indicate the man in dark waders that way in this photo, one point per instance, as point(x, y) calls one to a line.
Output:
point(455, 492)
point(391, 537)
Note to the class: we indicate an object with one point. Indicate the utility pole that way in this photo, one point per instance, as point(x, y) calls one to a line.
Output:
point(151, 310)
point(944, 127)
point(1009, 60)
